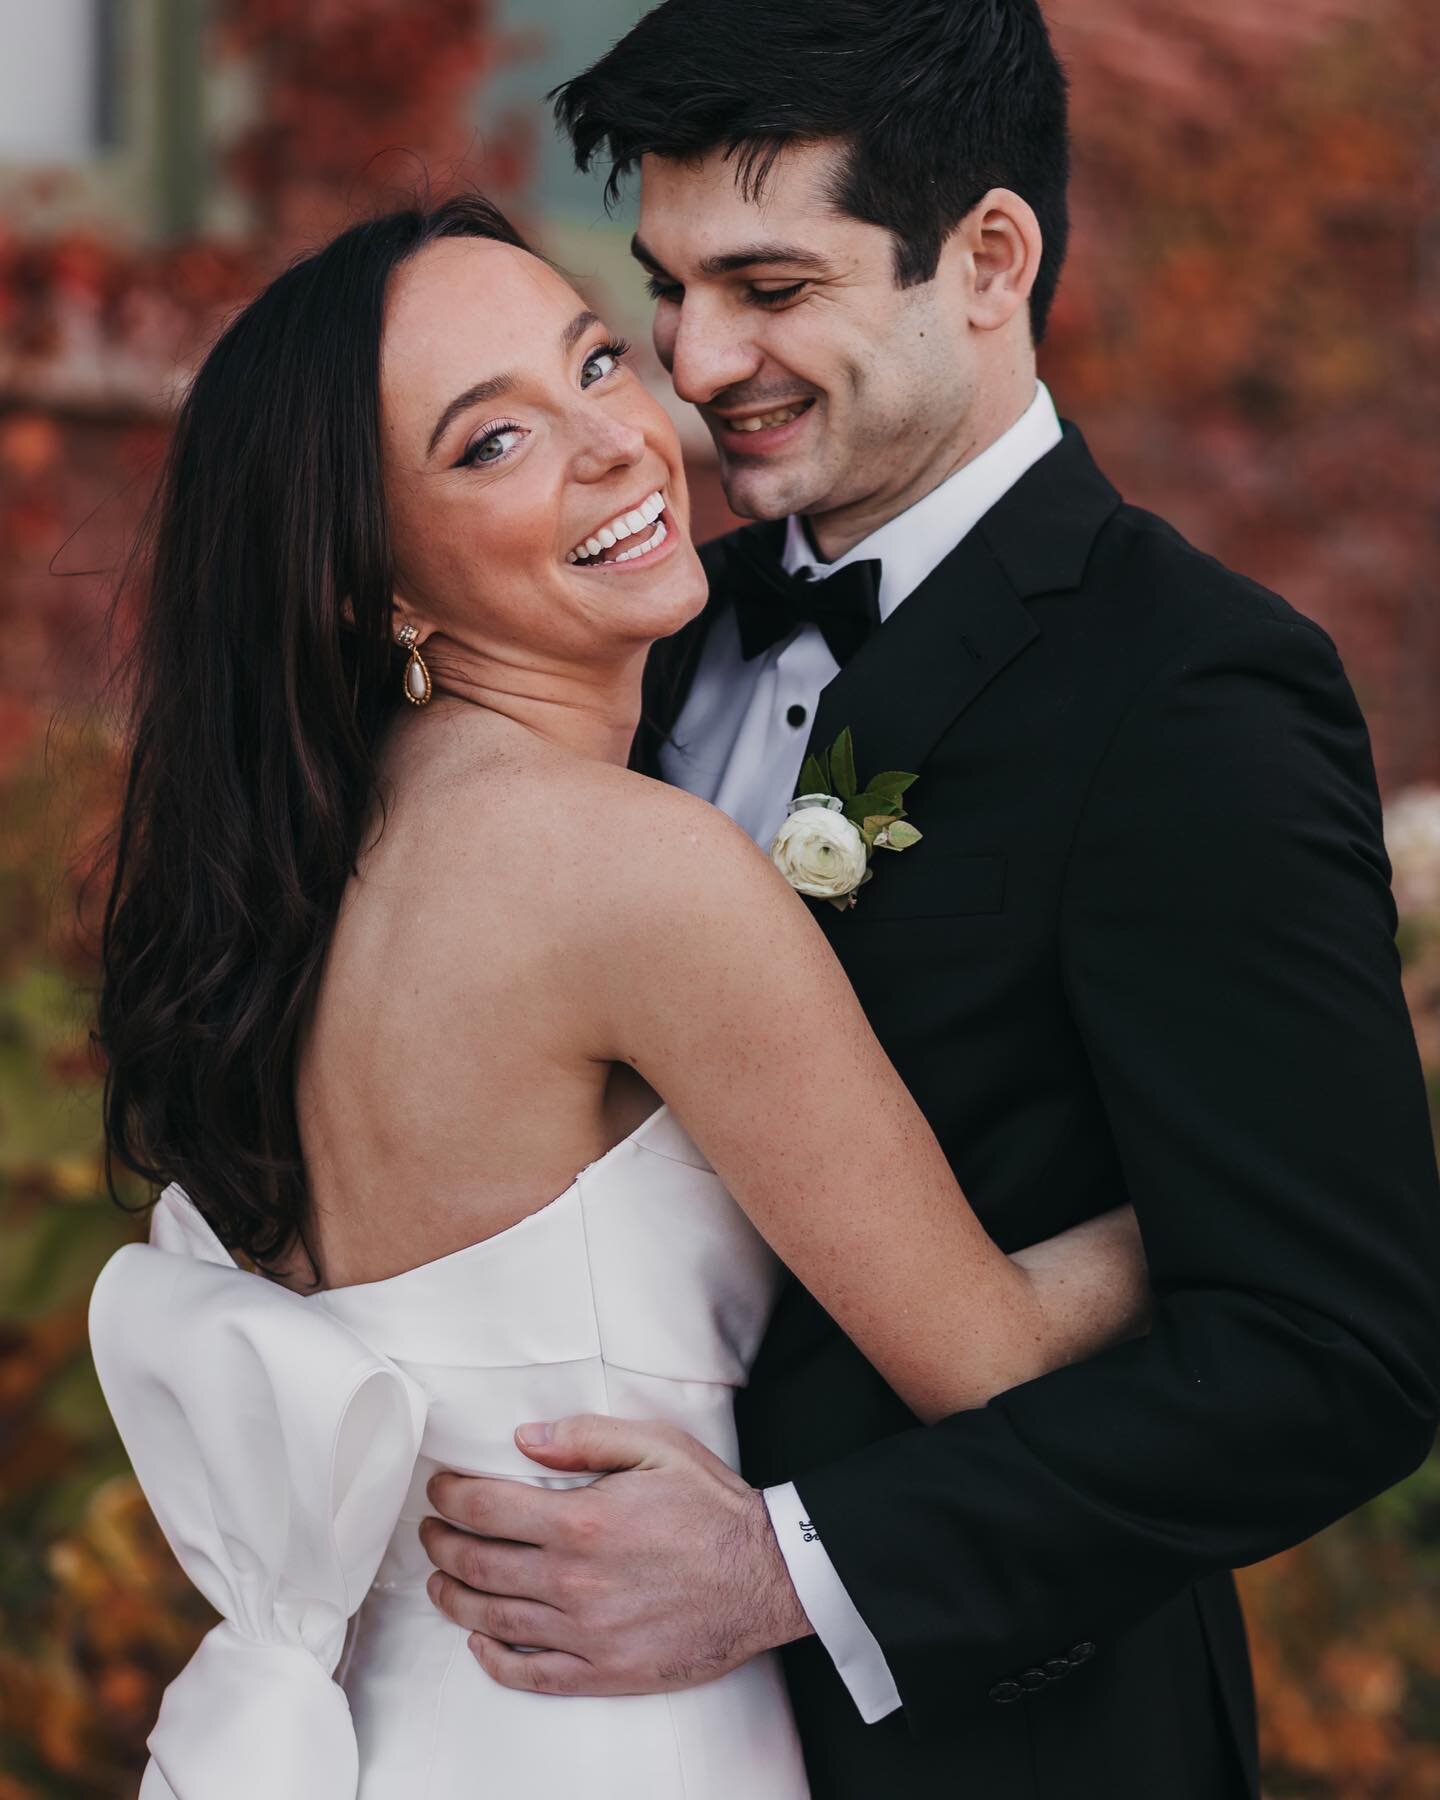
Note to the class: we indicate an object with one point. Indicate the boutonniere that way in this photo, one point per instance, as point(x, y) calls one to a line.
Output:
point(833, 826)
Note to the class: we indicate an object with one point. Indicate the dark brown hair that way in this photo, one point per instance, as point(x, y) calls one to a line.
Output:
point(255, 716)
point(935, 101)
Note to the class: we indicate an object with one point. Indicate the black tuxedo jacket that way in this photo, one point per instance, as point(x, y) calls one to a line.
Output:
point(1144, 952)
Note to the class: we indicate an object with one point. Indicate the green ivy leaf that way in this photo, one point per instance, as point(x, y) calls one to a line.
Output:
point(842, 764)
point(861, 806)
point(812, 778)
point(901, 836)
point(893, 782)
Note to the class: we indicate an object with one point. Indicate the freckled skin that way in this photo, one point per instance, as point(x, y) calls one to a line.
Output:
point(480, 551)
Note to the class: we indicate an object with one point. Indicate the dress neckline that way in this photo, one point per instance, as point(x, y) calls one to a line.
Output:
point(198, 1233)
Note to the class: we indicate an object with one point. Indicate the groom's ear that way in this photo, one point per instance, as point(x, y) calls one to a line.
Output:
point(997, 246)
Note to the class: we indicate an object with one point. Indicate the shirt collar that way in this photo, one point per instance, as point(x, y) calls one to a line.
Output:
point(915, 541)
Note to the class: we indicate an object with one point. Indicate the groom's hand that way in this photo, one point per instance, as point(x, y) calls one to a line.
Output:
point(662, 1574)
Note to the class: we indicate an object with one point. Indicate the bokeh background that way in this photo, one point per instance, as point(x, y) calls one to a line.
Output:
point(1247, 332)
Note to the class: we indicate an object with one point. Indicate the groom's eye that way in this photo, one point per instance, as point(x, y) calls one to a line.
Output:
point(663, 290)
point(777, 296)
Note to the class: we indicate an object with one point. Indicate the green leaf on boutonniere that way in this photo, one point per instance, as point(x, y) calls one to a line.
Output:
point(813, 779)
point(893, 782)
point(842, 764)
point(900, 836)
point(860, 807)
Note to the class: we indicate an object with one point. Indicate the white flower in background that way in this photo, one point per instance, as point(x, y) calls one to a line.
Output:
point(1412, 837)
point(818, 850)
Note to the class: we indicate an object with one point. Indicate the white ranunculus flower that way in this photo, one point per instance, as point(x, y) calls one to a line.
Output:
point(819, 851)
point(831, 802)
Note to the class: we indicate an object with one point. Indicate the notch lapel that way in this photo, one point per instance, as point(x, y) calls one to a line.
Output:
point(931, 658)
point(944, 645)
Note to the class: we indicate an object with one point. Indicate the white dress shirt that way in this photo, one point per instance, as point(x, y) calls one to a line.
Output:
point(739, 742)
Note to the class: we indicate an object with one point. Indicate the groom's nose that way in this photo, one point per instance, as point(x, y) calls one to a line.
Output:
point(707, 351)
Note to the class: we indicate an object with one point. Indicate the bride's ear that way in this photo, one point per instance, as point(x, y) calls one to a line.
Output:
point(403, 614)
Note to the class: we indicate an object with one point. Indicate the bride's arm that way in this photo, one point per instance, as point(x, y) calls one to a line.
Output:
point(720, 989)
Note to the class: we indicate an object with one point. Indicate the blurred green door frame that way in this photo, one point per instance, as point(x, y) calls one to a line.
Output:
point(181, 172)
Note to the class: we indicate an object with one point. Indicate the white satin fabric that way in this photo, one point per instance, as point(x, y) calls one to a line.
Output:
point(284, 1442)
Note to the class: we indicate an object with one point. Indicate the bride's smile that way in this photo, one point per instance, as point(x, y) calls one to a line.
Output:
point(535, 491)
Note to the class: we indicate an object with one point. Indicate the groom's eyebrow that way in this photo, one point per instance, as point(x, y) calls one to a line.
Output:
point(731, 262)
point(495, 385)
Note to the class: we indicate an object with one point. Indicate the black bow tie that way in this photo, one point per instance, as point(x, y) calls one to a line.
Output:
point(770, 603)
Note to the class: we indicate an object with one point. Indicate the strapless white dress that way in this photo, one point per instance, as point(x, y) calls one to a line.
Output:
point(284, 1442)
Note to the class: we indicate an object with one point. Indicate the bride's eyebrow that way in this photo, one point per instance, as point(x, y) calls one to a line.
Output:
point(495, 385)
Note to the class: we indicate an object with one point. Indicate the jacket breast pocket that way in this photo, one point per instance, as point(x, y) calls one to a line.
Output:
point(928, 882)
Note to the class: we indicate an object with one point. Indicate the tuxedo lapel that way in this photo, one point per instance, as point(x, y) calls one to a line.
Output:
point(967, 620)
point(939, 650)
point(948, 640)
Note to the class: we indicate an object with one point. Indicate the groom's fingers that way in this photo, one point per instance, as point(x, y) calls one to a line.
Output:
point(600, 1444)
point(501, 1509)
point(501, 1616)
point(539, 1672)
point(487, 1564)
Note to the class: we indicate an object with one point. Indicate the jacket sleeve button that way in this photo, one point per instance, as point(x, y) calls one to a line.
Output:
point(1056, 1667)
point(1004, 1692)
point(1031, 1680)
point(1080, 1653)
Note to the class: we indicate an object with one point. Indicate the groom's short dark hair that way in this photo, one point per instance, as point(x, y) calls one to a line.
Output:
point(938, 100)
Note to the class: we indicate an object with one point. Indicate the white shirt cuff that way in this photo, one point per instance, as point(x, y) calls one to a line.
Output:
point(849, 1641)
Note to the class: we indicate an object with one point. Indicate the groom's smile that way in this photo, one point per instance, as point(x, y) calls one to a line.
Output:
point(757, 430)
point(829, 388)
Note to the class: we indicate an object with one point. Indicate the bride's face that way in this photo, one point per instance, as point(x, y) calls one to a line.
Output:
point(534, 489)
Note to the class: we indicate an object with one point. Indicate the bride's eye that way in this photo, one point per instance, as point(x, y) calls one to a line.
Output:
point(491, 447)
point(603, 361)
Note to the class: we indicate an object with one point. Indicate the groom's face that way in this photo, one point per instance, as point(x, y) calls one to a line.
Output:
point(825, 387)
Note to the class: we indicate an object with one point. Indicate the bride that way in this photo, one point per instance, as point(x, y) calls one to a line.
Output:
point(397, 944)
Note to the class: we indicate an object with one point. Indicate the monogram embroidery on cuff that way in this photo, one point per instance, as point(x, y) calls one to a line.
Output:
point(808, 1532)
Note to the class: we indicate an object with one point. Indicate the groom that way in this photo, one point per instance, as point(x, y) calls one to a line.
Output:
point(1144, 951)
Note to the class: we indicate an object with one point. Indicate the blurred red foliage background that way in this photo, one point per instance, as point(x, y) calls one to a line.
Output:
point(1248, 334)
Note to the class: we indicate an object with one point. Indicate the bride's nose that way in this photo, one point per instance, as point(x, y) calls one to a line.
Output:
point(606, 443)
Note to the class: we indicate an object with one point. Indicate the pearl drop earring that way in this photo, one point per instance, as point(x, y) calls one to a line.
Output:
point(417, 676)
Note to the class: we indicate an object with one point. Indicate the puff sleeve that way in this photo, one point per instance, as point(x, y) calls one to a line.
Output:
point(275, 1449)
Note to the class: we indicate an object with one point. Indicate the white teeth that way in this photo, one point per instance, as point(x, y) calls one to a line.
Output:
point(653, 542)
point(627, 525)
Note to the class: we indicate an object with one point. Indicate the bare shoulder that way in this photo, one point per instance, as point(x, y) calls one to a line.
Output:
point(603, 847)
point(647, 854)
